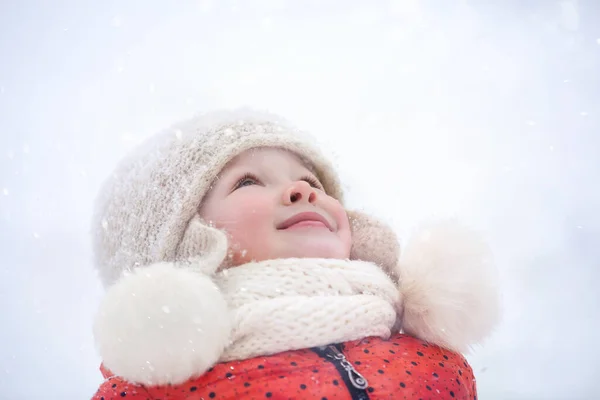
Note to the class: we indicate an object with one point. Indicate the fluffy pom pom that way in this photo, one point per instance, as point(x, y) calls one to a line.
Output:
point(162, 324)
point(448, 283)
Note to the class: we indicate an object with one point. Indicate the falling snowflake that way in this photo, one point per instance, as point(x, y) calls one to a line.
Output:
point(150, 367)
point(117, 21)
point(119, 66)
point(166, 309)
point(104, 224)
point(205, 6)
point(267, 23)
point(228, 132)
point(5, 191)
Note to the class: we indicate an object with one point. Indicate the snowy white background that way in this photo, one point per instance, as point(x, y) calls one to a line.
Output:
point(486, 109)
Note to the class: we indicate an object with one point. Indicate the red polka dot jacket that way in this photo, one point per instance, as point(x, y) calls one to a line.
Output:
point(402, 367)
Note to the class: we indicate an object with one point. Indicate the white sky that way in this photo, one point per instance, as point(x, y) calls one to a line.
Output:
point(489, 110)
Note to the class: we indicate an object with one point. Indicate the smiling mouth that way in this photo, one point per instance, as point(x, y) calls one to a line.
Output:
point(307, 224)
point(305, 220)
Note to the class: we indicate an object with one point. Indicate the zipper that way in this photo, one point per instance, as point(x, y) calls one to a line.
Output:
point(355, 382)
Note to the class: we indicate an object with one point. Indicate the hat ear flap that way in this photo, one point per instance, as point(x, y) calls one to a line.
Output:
point(374, 241)
point(203, 246)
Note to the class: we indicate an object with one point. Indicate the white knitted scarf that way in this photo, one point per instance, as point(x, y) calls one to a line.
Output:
point(290, 304)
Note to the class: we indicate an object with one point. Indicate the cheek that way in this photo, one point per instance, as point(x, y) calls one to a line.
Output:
point(346, 236)
point(245, 219)
point(344, 232)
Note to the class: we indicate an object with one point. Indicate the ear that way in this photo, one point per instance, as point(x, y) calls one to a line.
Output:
point(202, 246)
point(374, 241)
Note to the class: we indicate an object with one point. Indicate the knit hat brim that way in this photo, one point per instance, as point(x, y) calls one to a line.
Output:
point(147, 211)
point(145, 207)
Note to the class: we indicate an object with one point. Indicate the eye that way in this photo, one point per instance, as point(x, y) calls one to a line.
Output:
point(314, 182)
point(246, 180)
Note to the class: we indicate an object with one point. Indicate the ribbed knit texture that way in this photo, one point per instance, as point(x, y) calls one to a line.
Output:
point(290, 304)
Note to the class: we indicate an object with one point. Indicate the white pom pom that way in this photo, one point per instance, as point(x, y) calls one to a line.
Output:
point(448, 283)
point(162, 324)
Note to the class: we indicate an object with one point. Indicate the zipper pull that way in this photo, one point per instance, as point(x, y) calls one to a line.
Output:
point(357, 380)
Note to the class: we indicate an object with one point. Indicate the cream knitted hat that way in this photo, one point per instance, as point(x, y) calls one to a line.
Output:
point(147, 211)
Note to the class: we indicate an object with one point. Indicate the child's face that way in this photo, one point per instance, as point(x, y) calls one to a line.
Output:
point(260, 193)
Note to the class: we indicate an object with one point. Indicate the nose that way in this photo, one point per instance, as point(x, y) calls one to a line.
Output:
point(299, 191)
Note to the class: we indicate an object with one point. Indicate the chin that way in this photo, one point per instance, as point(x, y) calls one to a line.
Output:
point(319, 248)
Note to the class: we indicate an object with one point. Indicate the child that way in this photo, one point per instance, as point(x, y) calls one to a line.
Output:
point(234, 271)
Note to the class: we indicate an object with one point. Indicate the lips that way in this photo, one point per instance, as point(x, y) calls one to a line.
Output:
point(305, 217)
